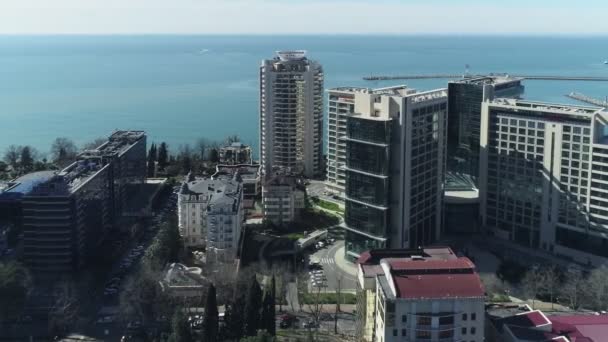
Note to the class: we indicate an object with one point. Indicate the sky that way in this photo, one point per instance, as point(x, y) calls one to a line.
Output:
point(578, 17)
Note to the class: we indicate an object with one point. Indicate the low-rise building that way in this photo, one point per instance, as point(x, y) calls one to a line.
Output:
point(210, 212)
point(235, 154)
point(248, 175)
point(183, 281)
point(282, 197)
point(425, 294)
point(519, 323)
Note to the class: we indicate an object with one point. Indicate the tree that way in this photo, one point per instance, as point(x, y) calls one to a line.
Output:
point(232, 139)
point(550, 281)
point(163, 155)
point(233, 320)
point(63, 151)
point(532, 283)
point(597, 288)
point(211, 320)
point(262, 336)
point(574, 288)
point(201, 146)
point(214, 155)
point(252, 307)
point(180, 329)
point(15, 282)
point(11, 156)
point(65, 308)
point(185, 158)
point(268, 310)
point(151, 161)
point(27, 158)
point(93, 144)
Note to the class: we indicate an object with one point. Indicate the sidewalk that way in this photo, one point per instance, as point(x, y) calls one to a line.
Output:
point(343, 264)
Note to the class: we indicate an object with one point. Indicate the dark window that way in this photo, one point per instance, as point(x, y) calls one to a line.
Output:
point(464, 331)
point(403, 332)
point(473, 316)
point(404, 318)
point(394, 332)
point(464, 317)
point(473, 331)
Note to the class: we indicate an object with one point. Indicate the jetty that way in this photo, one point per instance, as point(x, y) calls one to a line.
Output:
point(449, 76)
point(588, 99)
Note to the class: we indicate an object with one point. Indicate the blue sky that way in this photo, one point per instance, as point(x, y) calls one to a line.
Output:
point(304, 16)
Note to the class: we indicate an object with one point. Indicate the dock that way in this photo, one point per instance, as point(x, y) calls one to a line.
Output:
point(527, 77)
point(588, 99)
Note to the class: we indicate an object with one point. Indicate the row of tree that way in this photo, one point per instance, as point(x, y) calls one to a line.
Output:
point(24, 159)
point(187, 158)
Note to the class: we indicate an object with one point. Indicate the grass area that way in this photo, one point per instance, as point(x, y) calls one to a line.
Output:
point(326, 204)
point(293, 236)
point(328, 298)
point(499, 298)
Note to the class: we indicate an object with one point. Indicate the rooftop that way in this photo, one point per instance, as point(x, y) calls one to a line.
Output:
point(419, 278)
point(118, 143)
point(26, 183)
point(244, 171)
point(398, 90)
point(547, 107)
point(491, 80)
point(223, 191)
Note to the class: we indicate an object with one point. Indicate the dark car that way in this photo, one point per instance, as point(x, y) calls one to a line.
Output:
point(287, 320)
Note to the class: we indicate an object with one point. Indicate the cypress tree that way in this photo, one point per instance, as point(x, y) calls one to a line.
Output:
point(252, 308)
point(211, 319)
point(163, 155)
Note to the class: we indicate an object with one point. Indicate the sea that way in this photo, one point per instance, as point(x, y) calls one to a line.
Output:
point(182, 88)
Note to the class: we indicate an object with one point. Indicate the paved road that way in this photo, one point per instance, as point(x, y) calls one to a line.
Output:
point(335, 267)
point(317, 188)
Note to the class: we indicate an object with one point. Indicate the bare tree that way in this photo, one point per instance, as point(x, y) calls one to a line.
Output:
point(11, 156)
point(63, 151)
point(201, 146)
point(597, 288)
point(574, 288)
point(338, 300)
point(232, 139)
point(93, 144)
point(315, 302)
point(550, 281)
point(65, 307)
point(532, 283)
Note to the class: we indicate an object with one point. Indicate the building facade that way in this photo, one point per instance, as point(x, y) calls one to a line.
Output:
point(282, 198)
point(425, 294)
point(210, 215)
point(341, 104)
point(235, 154)
point(67, 216)
point(395, 165)
point(544, 177)
point(291, 114)
point(465, 97)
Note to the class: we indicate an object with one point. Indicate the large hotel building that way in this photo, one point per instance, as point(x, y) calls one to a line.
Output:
point(544, 177)
point(291, 114)
point(394, 152)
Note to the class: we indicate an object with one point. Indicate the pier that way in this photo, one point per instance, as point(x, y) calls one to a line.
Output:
point(527, 77)
point(588, 99)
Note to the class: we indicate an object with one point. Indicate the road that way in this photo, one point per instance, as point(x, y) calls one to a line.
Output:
point(335, 267)
point(317, 188)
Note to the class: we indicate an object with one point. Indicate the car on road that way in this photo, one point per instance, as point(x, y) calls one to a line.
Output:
point(311, 324)
point(287, 320)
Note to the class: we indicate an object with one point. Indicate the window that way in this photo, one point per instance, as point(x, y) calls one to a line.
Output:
point(464, 317)
point(404, 318)
point(464, 331)
point(394, 332)
point(473, 331)
point(403, 332)
point(423, 335)
point(473, 316)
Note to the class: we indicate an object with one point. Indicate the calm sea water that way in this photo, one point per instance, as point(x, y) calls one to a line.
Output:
point(180, 88)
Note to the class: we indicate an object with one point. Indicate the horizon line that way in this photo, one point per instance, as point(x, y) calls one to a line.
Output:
point(404, 34)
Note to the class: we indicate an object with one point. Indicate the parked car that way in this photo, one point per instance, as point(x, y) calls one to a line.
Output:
point(311, 324)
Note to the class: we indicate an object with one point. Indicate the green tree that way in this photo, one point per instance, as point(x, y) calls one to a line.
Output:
point(180, 329)
point(151, 160)
point(252, 307)
point(268, 309)
point(211, 320)
point(15, 281)
point(163, 155)
point(262, 336)
point(233, 320)
point(27, 158)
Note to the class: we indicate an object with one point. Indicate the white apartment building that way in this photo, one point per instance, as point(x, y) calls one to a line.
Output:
point(282, 198)
point(425, 294)
point(394, 169)
point(544, 177)
point(210, 212)
point(291, 113)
